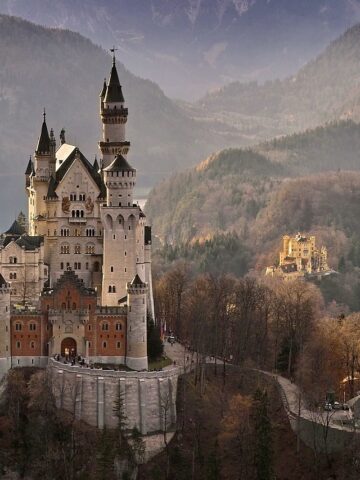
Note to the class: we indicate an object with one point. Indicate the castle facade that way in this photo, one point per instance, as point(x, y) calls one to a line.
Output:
point(299, 257)
point(77, 280)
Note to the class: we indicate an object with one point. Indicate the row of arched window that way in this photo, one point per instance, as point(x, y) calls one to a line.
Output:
point(77, 213)
point(12, 276)
point(112, 289)
point(19, 327)
point(73, 197)
point(105, 327)
point(89, 249)
point(65, 232)
point(105, 344)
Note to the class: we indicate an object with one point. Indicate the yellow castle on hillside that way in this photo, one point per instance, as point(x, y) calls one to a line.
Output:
point(300, 257)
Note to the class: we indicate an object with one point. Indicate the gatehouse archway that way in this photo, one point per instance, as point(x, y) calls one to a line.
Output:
point(68, 347)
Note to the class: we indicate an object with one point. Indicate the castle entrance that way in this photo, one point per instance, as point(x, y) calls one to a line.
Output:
point(68, 348)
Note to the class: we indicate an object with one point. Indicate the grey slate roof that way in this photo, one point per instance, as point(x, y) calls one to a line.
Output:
point(103, 91)
point(51, 188)
point(113, 90)
point(137, 282)
point(43, 145)
point(15, 229)
point(2, 281)
point(61, 171)
point(26, 241)
point(119, 164)
point(29, 167)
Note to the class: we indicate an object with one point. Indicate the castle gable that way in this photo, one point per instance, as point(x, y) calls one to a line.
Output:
point(75, 157)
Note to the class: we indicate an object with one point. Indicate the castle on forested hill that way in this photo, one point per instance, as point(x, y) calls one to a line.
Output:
point(299, 257)
point(77, 279)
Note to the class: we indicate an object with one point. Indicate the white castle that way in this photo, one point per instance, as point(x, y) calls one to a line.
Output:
point(81, 270)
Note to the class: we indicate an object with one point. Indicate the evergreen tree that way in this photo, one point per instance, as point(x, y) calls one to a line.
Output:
point(263, 437)
point(155, 345)
point(105, 457)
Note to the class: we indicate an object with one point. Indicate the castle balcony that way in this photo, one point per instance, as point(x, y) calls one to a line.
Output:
point(114, 112)
point(41, 178)
point(81, 220)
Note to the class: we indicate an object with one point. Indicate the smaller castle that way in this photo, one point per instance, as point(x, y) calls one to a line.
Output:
point(299, 257)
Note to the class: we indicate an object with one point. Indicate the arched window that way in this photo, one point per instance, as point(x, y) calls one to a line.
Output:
point(32, 344)
point(77, 249)
point(77, 213)
point(90, 248)
point(65, 232)
point(18, 327)
point(118, 327)
point(18, 344)
point(65, 248)
point(105, 327)
point(32, 327)
point(104, 344)
point(118, 345)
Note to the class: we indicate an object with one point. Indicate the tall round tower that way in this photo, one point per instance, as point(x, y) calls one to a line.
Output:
point(136, 356)
point(5, 343)
point(114, 117)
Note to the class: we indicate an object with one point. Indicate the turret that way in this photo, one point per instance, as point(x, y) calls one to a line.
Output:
point(120, 179)
point(5, 339)
point(28, 172)
point(136, 356)
point(43, 153)
point(114, 117)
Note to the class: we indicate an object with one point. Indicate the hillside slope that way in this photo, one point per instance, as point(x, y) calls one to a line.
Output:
point(229, 190)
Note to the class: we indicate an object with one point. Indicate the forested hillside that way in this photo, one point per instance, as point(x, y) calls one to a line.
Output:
point(230, 212)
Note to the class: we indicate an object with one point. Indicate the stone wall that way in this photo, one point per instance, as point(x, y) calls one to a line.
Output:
point(149, 398)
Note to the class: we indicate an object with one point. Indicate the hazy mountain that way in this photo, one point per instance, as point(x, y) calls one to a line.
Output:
point(190, 46)
point(327, 88)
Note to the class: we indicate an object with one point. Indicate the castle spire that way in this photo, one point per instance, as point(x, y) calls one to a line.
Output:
point(43, 145)
point(113, 91)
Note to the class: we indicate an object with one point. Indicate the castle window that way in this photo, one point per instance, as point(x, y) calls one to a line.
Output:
point(89, 327)
point(32, 344)
point(105, 326)
point(77, 249)
point(18, 327)
point(130, 308)
point(118, 345)
point(82, 197)
point(65, 249)
point(18, 344)
point(87, 265)
point(111, 269)
point(73, 213)
point(90, 232)
point(129, 227)
point(90, 248)
point(128, 204)
point(81, 213)
point(112, 289)
point(77, 213)
point(62, 266)
point(89, 343)
point(73, 197)
point(104, 344)
point(118, 327)
point(32, 327)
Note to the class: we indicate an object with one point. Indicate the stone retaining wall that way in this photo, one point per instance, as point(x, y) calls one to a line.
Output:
point(149, 398)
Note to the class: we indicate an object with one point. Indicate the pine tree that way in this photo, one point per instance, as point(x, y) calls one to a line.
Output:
point(105, 457)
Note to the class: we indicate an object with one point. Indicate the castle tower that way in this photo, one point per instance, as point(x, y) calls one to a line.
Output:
point(120, 219)
point(114, 117)
point(5, 339)
point(136, 356)
point(43, 167)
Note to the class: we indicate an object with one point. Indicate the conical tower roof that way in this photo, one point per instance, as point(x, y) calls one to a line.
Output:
point(43, 145)
point(137, 282)
point(29, 167)
point(15, 229)
point(119, 164)
point(103, 91)
point(113, 90)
